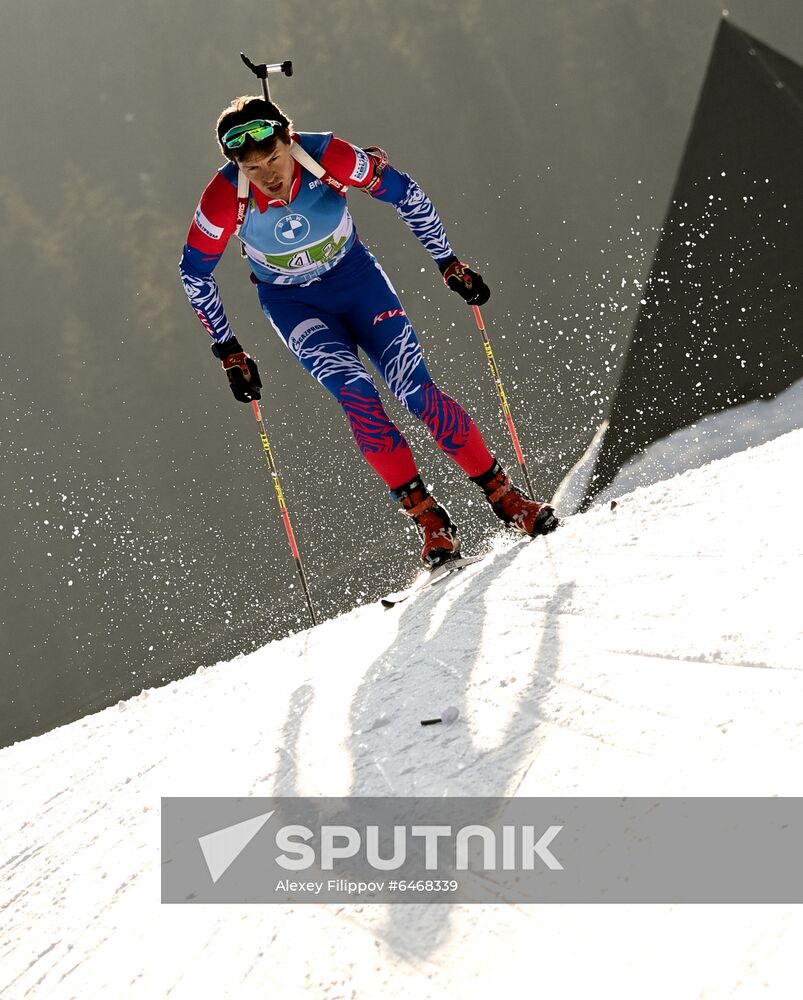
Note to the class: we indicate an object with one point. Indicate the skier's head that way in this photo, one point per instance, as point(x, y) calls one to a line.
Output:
point(266, 117)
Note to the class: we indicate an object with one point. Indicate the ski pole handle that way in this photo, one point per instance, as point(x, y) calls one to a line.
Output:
point(288, 527)
point(503, 398)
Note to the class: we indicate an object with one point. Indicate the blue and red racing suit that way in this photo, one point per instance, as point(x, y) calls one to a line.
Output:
point(326, 296)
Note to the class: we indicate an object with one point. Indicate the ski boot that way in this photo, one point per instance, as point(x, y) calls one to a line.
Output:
point(434, 526)
point(513, 507)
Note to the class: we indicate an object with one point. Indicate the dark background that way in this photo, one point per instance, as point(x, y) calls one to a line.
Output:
point(141, 534)
point(719, 323)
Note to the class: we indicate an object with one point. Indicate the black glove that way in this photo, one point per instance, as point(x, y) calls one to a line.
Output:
point(241, 370)
point(467, 283)
point(379, 158)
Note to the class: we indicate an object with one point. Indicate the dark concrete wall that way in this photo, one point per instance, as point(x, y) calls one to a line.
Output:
point(721, 321)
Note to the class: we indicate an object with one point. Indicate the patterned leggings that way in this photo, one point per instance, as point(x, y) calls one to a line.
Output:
point(355, 306)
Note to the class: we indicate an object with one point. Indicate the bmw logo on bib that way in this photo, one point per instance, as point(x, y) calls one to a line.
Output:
point(292, 228)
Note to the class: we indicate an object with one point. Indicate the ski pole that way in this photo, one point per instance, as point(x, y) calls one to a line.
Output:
point(288, 527)
point(505, 407)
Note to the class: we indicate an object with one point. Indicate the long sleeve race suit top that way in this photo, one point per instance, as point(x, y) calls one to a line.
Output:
point(292, 243)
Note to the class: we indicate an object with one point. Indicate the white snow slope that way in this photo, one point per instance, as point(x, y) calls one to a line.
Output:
point(649, 650)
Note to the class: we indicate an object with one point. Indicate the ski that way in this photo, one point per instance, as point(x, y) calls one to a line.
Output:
point(429, 578)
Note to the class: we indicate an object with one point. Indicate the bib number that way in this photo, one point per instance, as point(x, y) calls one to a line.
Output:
point(300, 260)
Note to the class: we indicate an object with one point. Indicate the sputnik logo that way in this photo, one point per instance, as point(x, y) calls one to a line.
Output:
point(222, 848)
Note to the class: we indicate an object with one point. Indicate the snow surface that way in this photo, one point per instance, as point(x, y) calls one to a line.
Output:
point(653, 649)
point(715, 435)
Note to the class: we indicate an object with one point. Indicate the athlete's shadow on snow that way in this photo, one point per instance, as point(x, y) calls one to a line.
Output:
point(427, 668)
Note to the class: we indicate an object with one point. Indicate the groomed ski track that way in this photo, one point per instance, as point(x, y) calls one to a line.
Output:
point(653, 649)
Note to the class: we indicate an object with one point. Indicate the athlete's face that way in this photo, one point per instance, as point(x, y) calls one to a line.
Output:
point(272, 172)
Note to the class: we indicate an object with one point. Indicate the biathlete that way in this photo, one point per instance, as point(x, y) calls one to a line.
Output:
point(282, 193)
